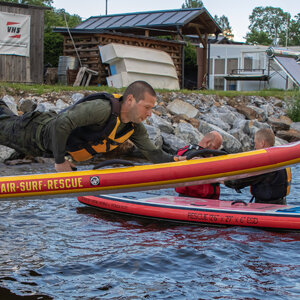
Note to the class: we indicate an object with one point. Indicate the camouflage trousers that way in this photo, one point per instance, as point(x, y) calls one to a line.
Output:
point(19, 132)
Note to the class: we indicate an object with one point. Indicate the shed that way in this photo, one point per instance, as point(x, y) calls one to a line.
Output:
point(22, 42)
point(144, 29)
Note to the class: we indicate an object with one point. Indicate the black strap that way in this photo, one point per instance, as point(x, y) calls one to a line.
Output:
point(203, 152)
point(113, 162)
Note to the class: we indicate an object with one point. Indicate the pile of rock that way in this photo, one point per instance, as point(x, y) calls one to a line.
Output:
point(180, 119)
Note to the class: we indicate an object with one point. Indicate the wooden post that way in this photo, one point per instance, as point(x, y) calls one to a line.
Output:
point(202, 63)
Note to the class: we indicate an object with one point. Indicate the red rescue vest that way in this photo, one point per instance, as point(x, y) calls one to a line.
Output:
point(208, 191)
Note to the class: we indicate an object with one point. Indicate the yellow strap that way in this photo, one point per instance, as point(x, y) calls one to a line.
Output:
point(289, 180)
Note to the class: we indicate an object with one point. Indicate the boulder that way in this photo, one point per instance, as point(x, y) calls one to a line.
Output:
point(154, 135)
point(295, 125)
point(5, 153)
point(171, 143)
point(244, 139)
point(27, 105)
point(278, 124)
point(160, 123)
point(291, 135)
point(11, 103)
point(60, 104)
point(188, 133)
point(180, 107)
point(215, 120)
point(46, 106)
point(249, 112)
point(230, 143)
point(76, 97)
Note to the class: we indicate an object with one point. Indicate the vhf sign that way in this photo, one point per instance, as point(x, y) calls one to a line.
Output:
point(14, 34)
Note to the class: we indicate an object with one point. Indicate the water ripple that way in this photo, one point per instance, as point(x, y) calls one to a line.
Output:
point(61, 249)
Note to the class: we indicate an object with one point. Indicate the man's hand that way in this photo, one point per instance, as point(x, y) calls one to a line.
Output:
point(179, 158)
point(66, 166)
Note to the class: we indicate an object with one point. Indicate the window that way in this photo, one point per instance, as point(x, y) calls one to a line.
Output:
point(220, 66)
point(232, 63)
point(248, 63)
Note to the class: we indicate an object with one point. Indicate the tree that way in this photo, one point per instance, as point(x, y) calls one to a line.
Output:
point(53, 42)
point(192, 4)
point(258, 37)
point(224, 24)
point(32, 2)
point(294, 32)
point(272, 21)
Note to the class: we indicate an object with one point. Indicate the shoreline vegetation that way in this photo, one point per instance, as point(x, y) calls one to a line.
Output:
point(39, 89)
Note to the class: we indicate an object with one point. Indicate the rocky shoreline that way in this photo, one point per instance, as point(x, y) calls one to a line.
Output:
point(180, 119)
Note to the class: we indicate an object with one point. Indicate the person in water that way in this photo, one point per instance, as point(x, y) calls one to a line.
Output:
point(271, 187)
point(212, 140)
point(97, 123)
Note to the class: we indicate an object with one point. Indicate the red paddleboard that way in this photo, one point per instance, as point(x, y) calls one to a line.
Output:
point(203, 211)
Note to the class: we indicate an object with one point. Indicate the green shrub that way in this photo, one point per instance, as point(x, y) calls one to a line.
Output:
point(293, 106)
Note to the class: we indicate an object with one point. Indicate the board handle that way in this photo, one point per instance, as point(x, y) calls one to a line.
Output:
point(113, 162)
point(239, 201)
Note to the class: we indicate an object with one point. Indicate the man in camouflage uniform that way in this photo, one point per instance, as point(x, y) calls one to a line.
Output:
point(37, 133)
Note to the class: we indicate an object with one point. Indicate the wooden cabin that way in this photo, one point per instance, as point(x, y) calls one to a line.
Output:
point(22, 43)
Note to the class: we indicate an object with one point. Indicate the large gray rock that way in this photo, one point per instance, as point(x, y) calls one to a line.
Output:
point(244, 139)
point(249, 127)
point(279, 141)
point(268, 109)
point(295, 125)
point(172, 143)
point(160, 123)
point(76, 97)
point(5, 153)
point(230, 143)
point(188, 133)
point(262, 116)
point(180, 107)
point(154, 135)
point(216, 119)
point(11, 103)
point(60, 105)
point(46, 106)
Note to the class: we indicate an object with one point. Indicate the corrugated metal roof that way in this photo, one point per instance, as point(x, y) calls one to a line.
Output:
point(158, 19)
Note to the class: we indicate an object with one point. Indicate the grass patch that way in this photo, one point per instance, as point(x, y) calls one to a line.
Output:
point(39, 89)
point(293, 106)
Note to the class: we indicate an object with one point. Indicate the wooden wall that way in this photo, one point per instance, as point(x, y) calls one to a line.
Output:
point(87, 48)
point(14, 68)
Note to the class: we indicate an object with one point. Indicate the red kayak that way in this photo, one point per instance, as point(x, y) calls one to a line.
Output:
point(151, 176)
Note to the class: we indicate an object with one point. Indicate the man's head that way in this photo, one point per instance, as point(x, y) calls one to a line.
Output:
point(264, 138)
point(138, 100)
point(212, 140)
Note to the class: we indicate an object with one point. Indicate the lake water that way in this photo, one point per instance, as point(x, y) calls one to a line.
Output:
point(61, 249)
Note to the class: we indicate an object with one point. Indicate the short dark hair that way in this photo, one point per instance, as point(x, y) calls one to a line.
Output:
point(138, 90)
